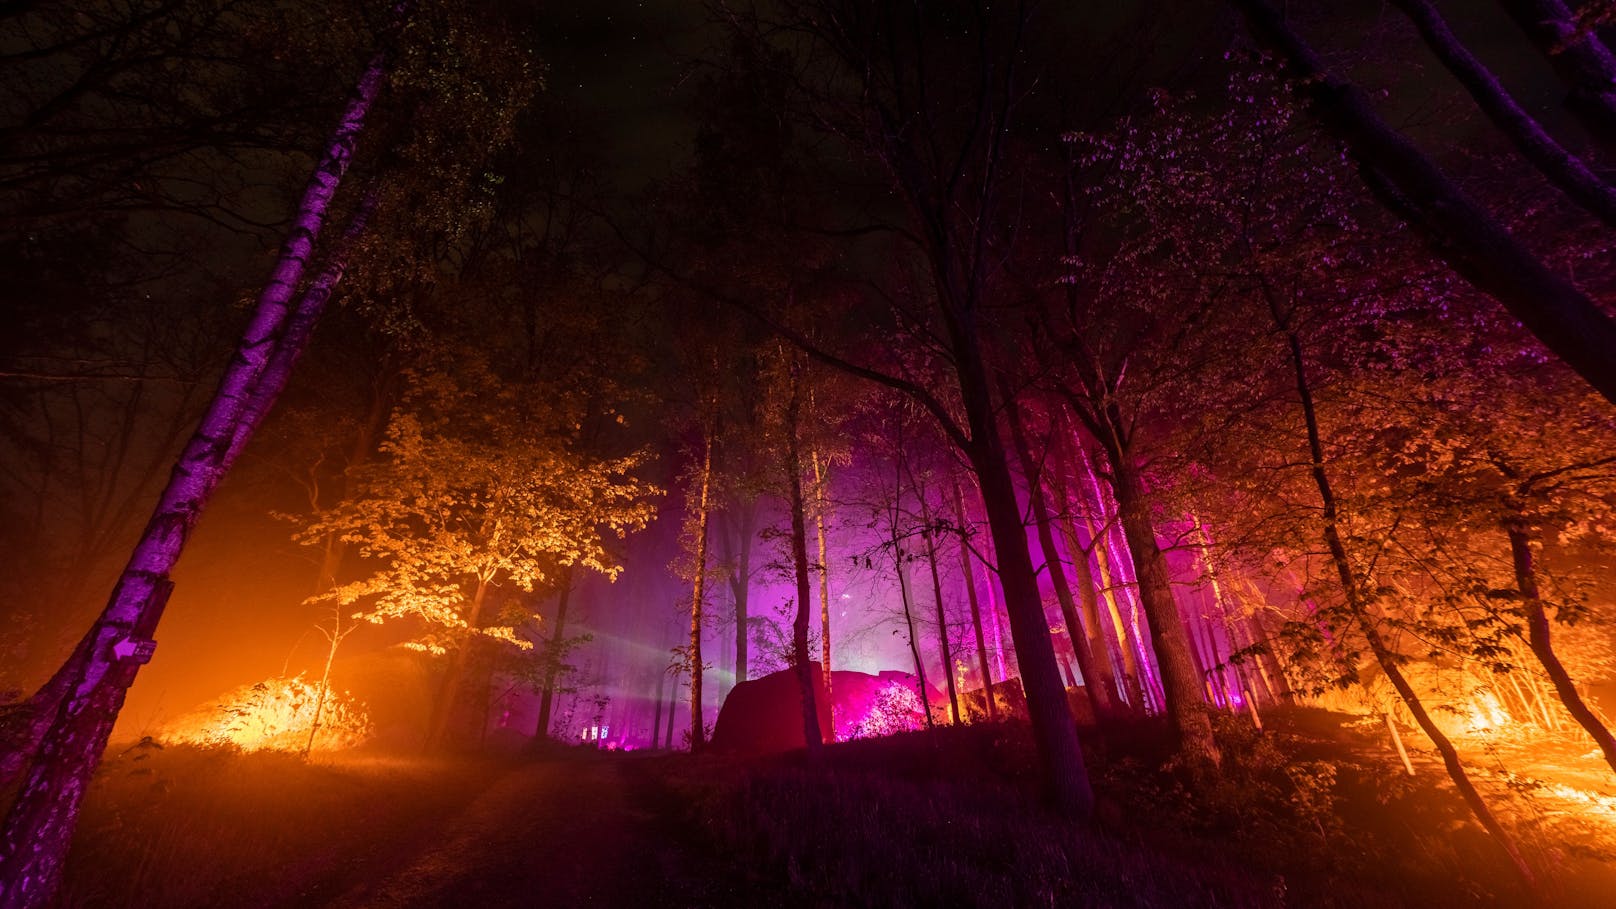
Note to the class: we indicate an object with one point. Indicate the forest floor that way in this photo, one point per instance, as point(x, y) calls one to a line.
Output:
point(1310, 813)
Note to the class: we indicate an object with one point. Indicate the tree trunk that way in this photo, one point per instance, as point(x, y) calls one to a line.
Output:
point(39, 826)
point(1065, 772)
point(673, 705)
point(946, 650)
point(541, 729)
point(656, 713)
point(1583, 62)
point(453, 674)
point(1088, 599)
point(1569, 173)
point(1458, 228)
point(909, 621)
point(1538, 636)
point(1093, 686)
point(1358, 604)
point(1174, 659)
point(991, 705)
point(802, 668)
point(824, 577)
point(698, 734)
point(740, 586)
point(1128, 644)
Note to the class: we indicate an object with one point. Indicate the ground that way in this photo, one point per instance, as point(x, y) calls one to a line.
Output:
point(1309, 813)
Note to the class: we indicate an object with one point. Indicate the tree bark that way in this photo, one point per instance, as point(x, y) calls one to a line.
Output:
point(541, 729)
point(740, 586)
point(1569, 173)
point(802, 668)
point(1582, 61)
point(1358, 604)
point(946, 651)
point(1459, 229)
point(39, 826)
point(1105, 666)
point(991, 704)
point(698, 734)
point(454, 673)
point(1093, 686)
point(1539, 636)
point(824, 577)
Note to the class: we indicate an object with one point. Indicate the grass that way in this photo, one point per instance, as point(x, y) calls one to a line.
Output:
point(1307, 814)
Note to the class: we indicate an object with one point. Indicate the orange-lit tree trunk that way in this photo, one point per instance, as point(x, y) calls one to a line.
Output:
point(1539, 634)
point(552, 666)
point(824, 572)
point(698, 732)
point(1357, 600)
point(983, 667)
point(802, 667)
point(40, 823)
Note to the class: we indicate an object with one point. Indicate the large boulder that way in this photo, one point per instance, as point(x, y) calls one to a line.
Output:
point(764, 715)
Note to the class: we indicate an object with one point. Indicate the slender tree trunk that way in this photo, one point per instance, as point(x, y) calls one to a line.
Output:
point(909, 621)
point(335, 640)
point(1459, 229)
point(990, 704)
point(740, 585)
point(698, 734)
point(673, 706)
point(1094, 688)
point(946, 651)
point(1088, 599)
point(802, 668)
point(1569, 173)
point(39, 825)
point(824, 578)
point(453, 674)
point(656, 713)
point(1174, 658)
point(1538, 636)
point(1128, 645)
point(1357, 603)
point(541, 729)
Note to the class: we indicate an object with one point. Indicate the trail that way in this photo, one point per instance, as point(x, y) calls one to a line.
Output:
point(556, 833)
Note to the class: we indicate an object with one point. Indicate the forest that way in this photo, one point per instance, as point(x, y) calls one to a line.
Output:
point(808, 453)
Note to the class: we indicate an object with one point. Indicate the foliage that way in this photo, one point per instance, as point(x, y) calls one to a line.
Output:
point(896, 708)
point(477, 491)
point(275, 715)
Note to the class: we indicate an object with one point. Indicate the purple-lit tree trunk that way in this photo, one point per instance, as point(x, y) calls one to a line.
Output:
point(1088, 598)
point(1458, 228)
point(1581, 59)
point(802, 668)
point(945, 651)
point(1569, 173)
point(986, 671)
point(39, 826)
point(1094, 687)
point(899, 564)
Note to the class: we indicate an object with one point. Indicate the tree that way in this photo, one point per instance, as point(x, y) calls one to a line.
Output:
point(37, 829)
point(477, 492)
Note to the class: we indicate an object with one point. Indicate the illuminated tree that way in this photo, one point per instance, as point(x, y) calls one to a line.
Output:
point(477, 493)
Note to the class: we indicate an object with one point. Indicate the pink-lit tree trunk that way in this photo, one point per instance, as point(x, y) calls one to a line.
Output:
point(983, 667)
point(802, 668)
point(39, 826)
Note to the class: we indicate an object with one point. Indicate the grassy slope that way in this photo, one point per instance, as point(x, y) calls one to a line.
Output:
point(1306, 815)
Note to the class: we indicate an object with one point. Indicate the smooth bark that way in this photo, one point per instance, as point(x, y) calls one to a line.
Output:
point(1458, 228)
point(40, 823)
point(802, 667)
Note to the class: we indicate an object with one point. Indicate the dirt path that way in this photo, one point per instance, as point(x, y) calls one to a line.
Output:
point(556, 833)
